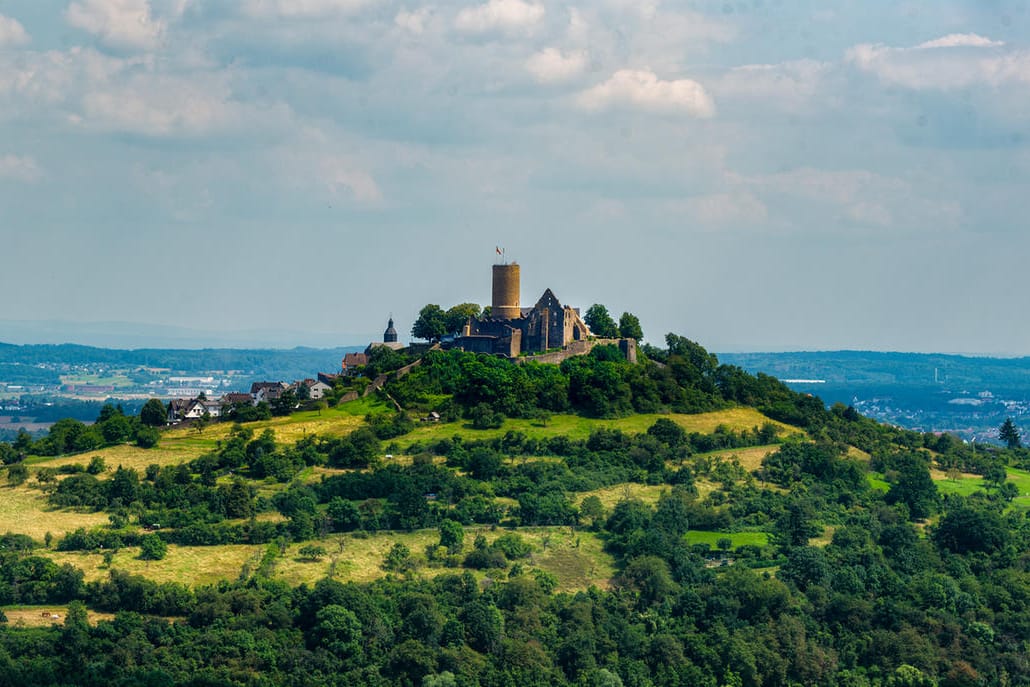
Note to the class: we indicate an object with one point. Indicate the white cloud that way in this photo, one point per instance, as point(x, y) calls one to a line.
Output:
point(19, 168)
point(341, 175)
point(302, 8)
point(789, 85)
point(12, 33)
point(834, 198)
point(413, 22)
point(960, 40)
point(120, 24)
point(720, 209)
point(551, 65)
point(499, 15)
point(643, 90)
point(164, 105)
point(952, 62)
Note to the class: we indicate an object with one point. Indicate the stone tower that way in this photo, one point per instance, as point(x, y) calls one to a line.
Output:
point(505, 303)
point(390, 335)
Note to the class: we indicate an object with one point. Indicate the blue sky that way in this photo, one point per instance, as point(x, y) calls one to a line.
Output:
point(755, 175)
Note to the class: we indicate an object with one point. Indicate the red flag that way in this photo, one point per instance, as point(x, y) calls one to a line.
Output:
point(498, 249)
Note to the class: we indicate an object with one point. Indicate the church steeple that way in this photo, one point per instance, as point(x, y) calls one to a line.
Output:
point(390, 335)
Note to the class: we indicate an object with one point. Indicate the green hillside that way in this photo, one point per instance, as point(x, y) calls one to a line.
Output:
point(475, 522)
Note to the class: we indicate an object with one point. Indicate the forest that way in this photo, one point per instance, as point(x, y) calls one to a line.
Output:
point(863, 566)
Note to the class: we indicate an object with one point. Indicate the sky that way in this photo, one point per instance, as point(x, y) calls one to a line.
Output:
point(756, 175)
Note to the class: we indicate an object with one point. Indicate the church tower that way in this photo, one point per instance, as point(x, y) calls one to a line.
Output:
point(390, 335)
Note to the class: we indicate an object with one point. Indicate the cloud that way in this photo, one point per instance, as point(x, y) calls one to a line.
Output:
point(856, 197)
point(413, 22)
point(163, 105)
point(643, 90)
point(551, 65)
point(19, 168)
point(953, 62)
point(12, 34)
point(499, 15)
point(119, 24)
point(305, 9)
point(340, 174)
point(960, 40)
point(720, 209)
point(788, 85)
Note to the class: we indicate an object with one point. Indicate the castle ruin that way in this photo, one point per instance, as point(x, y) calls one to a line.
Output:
point(512, 331)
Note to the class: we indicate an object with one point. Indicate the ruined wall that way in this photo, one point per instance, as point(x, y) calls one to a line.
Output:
point(627, 346)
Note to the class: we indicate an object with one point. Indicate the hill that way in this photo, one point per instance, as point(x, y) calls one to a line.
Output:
point(476, 522)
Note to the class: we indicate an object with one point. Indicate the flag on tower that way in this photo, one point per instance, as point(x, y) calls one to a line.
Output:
point(498, 249)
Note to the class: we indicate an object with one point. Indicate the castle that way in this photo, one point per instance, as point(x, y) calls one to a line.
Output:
point(511, 331)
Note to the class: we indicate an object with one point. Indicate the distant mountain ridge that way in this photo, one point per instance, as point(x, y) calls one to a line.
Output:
point(132, 335)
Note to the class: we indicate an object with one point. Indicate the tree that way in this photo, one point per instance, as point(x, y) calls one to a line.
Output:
point(456, 317)
point(452, 536)
point(153, 413)
point(600, 322)
point(915, 488)
point(152, 548)
point(1009, 433)
point(17, 474)
point(431, 323)
point(629, 327)
point(96, 465)
point(311, 552)
point(147, 437)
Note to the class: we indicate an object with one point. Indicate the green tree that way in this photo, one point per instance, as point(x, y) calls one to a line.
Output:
point(914, 487)
point(592, 509)
point(311, 552)
point(152, 548)
point(17, 474)
point(629, 327)
point(96, 465)
point(455, 318)
point(600, 322)
point(431, 323)
point(147, 437)
point(1009, 433)
point(153, 413)
point(452, 536)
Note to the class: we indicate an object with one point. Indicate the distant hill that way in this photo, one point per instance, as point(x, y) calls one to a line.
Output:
point(967, 395)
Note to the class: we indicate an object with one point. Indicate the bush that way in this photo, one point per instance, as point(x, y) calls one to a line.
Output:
point(147, 437)
point(152, 548)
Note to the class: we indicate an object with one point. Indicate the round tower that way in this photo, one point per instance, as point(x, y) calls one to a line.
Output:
point(505, 304)
point(390, 335)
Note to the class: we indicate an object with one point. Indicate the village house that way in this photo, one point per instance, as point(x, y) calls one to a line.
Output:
point(267, 391)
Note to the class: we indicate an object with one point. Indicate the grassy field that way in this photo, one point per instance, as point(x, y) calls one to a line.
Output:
point(738, 538)
point(968, 484)
point(750, 457)
point(579, 428)
point(24, 510)
point(575, 558)
point(612, 495)
point(105, 380)
point(182, 444)
point(193, 565)
point(32, 616)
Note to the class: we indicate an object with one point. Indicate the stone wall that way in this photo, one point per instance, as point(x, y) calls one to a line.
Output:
point(627, 346)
